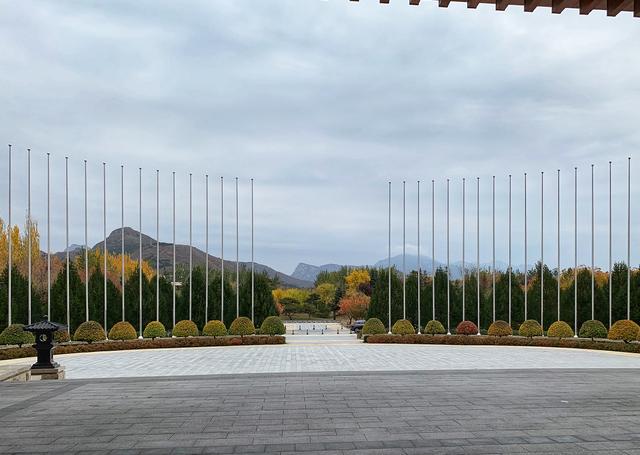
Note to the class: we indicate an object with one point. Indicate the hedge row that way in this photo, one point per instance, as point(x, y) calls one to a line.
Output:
point(485, 340)
point(158, 343)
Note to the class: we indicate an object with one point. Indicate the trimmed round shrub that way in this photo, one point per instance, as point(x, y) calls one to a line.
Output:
point(373, 326)
point(434, 327)
point(242, 326)
point(593, 329)
point(14, 334)
point(467, 328)
point(624, 330)
point(272, 326)
point(61, 336)
point(403, 327)
point(185, 329)
point(530, 328)
point(90, 331)
point(154, 329)
point(122, 331)
point(214, 329)
point(560, 329)
point(500, 329)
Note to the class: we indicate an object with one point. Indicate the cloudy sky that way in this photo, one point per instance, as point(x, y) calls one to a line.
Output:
point(322, 102)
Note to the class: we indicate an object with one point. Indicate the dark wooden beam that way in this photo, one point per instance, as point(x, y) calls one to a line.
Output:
point(501, 5)
point(636, 8)
point(558, 6)
point(614, 7)
point(414, 2)
point(444, 3)
point(473, 4)
point(586, 6)
point(386, 2)
point(531, 5)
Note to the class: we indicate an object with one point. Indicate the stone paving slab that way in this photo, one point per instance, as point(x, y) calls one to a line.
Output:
point(553, 411)
point(296, 358)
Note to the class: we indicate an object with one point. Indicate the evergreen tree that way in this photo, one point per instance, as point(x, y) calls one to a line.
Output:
point(215, 298)
point(132, 300)
point(76, 298)
point(264, 305)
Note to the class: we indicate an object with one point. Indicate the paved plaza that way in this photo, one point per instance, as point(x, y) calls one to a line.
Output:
point(434, 412)
point(332, 355)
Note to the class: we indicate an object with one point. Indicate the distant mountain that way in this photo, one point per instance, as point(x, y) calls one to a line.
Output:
point(308, 272)
point(132, 244)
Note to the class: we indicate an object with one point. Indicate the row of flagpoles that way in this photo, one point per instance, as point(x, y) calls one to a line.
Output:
point(493, 241)
point(104, 241)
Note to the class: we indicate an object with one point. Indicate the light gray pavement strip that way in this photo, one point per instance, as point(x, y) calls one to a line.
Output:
point(435, 412)
point(298, 358)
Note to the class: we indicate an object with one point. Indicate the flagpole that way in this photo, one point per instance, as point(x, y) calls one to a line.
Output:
point(593, 270)
point(464, 269)
point(448, 269)
point(48, 236)
point(104, 240)
point(157, 244)
point(493, 247)
point(510, 268)
point(66, 217)
point(526, 266)
point(558, 271)
point(237, 257)
point(433, 250)
point(478, 249)
point(389, 260)
point(140, 251)
point(190, 247)
point(629, 238)
point(9, 231)
point(206, 255)
point(29, 228)
point(575, 250)
point(222, 249)
point(404, 267)
point(252, 261)
point(122, 277)
point(419, 264)
point(173, 213)
point(610, 242)
point(86, 248)
point(542, 251)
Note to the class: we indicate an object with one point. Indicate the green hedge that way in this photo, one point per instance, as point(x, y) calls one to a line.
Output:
point(154, 329)
point(89, 331)
point(14, 334)
point(500, 329)
point(61, 336)
point(185, 329)
point(242, 326)
point(272, 326)
point(530, 328)
point(373, 326)
point(214, 329)
point(403, 327)
point(434, 327)
point(560, 329)
point(122, 330)
point(593, 329)
point(624, 330)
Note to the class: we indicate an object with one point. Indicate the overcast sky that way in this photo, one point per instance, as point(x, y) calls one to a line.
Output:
point(322, 102)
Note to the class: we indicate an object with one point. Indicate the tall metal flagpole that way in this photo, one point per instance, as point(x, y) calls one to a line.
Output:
point(86, 248)
point(206, 255)
point(558, 270)
point(122, 237)
point(389, 260)
point(140, 251)
point(448, 269)
point(464, 269)
point(66, 235)
point(419, 262)
point(478, 248)
point(173, 284)
point(157, 244)
point(190, 247)
point(526, 266)
point(575, 250)
point(433, 250)
point(29, 229)
point(593, 267)
point(404, 267)
point(542, 251)
point(237, 257)
point(104, 241)
point(252, 261)
point(629, 238)
point(493, 248)
point(9, 231)
point(48, 237)
point(222, 249)
point(610, 242)
point(510, 269)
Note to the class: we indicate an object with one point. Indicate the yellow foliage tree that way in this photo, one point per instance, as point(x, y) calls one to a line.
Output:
point(355, 279)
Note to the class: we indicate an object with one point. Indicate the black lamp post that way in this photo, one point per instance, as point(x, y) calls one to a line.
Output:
point(43, 332)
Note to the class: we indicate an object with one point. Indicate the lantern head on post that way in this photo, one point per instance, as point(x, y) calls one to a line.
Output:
point(43, 332)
